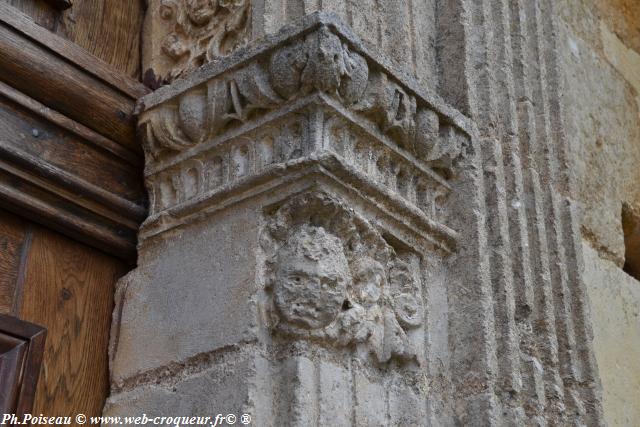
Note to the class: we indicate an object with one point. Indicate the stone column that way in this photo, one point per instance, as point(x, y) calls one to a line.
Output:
point(329, 239)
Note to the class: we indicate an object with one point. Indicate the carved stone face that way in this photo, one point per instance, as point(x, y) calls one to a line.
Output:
point(311, 278)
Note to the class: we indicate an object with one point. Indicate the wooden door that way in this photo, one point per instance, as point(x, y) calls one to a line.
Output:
point(67, 287)
point(71, 191)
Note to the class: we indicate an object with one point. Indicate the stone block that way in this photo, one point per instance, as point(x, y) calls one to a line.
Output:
point(604, 135)
point(624, 59)
point(615, 310)
point(195, 298)
point(581, 17)
point(299, 391)
point(222, 388)
point(336, 399)
point(406, 406)
point(370, 402)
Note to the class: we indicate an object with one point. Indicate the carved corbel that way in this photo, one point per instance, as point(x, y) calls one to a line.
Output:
point(258, 110)
point(319, 61)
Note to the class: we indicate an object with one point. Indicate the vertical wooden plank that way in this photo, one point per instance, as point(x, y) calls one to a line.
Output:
point(40, 11)
point(13, 235)
point(109, 30)
point(68, 288)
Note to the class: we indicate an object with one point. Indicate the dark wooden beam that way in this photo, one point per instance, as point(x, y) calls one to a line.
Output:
point(69, 156)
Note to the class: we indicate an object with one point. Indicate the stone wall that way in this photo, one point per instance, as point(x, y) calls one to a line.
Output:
point(601, 60)
point(361, 211)
point(615, 309)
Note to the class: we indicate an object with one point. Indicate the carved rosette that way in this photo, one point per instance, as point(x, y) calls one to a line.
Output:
point(333, 278)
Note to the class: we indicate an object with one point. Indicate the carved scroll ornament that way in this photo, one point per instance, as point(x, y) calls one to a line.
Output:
point(332, 277)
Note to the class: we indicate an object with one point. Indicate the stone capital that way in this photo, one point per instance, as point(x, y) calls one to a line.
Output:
point(310, 100)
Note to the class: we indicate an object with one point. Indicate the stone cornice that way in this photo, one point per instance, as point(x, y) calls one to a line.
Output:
point(333, 103)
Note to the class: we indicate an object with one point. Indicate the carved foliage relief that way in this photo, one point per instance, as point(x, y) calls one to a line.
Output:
point(199, 31)
point(228, 163)
point(317, 62)
point(366, 125)
point(333, 278)
point(389, 169)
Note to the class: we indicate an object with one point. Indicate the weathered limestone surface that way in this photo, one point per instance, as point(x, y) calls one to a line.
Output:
point(605, 140)
point(603, 127)
point(299, 195)
point(201, 387)
point(586, 17)
point(601, 68)
point(182, 35)
point(624, 59)
point(190, 309)
point(615, 306)
point(350, 232)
